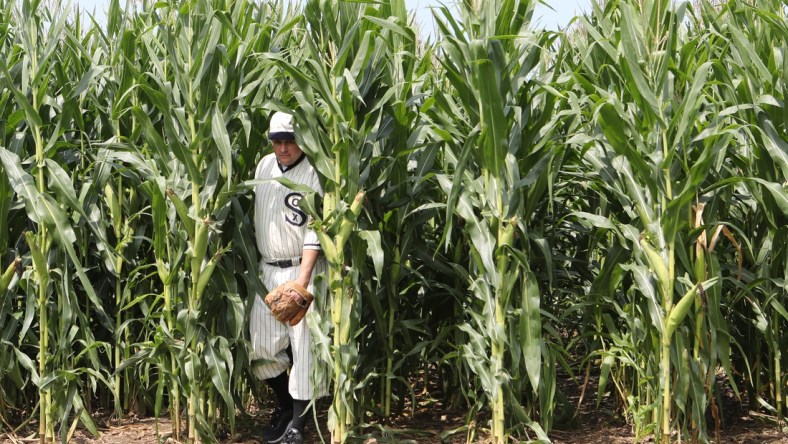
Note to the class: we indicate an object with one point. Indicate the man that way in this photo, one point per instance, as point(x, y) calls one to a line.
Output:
point(290, 252)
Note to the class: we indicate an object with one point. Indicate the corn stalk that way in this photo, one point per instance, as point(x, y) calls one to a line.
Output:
point(506, 129)
point(657, 161)
point(52, 204)
point(360, 46)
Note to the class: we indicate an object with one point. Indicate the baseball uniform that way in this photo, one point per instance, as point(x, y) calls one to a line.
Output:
point(281, 233)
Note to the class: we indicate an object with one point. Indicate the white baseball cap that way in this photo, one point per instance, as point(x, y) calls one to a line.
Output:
point(281, 127)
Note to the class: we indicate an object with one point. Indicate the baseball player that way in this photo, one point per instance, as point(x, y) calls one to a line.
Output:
point(290, 253)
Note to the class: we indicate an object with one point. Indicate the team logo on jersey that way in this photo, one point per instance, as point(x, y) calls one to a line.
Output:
point(297, 217)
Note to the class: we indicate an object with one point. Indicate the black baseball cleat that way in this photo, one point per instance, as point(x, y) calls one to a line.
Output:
point(293, 436)
point(280, 422)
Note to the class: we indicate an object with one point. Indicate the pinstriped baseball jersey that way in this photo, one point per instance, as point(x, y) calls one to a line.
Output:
point(281, 233)
point(280, 226)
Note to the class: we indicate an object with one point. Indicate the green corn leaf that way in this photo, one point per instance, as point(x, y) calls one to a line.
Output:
point(645, 283)
point(87, 79)
point(155, 141)
point(220, 136)
point(218, 368)
point(639, 195)
point(235, 312)
point(454, 190)
point(776, 145)
point(31, 304)
point(692, 102)
point(604, 375)
point(493, 121)
point(779, 308)
point(39, 258)
point(606, 281)
point(64, 235)
point(31, 114)
point(594, 220)
point(244, 245)
point(531, 328)
point(183, 212)
point(683, 381)
point(87, 420)
point(63, 190)
point(749, 54)
point(615, 127)
point(599, 39)
point(21, 182)
point(159, 215)
point(28, 365)
point(716, 317)
point(143, 166)
point(187, 322)
point(474, 353)
point(483, 241)
point(779, 192)
point(637, 83)
point(6, 200)
point(374, 249)
point(390, 25)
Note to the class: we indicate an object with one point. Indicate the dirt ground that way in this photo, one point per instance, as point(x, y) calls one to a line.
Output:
point(425, 426)
point(433, 422)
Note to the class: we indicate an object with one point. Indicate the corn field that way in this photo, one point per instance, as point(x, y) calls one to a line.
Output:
point(505, 207)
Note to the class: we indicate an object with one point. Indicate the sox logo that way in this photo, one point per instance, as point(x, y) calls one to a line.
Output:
point(297, 217)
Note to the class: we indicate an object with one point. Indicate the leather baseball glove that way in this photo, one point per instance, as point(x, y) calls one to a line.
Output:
point(289, 302)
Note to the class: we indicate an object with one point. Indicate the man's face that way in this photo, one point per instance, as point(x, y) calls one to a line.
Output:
point(287, 151)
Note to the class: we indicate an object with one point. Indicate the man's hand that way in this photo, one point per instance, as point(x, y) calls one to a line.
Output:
point(289, 302)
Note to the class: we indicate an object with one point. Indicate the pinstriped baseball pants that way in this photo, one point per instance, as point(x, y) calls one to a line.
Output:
point(270, 338)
